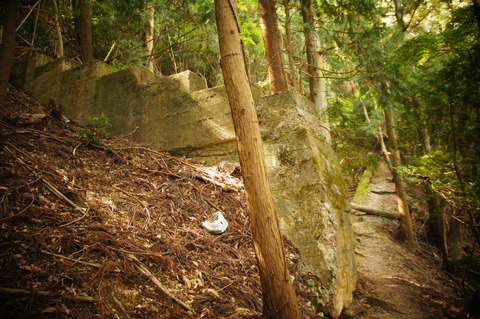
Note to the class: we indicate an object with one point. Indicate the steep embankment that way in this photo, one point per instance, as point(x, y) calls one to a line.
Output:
point(395, 283)
point(99, 227)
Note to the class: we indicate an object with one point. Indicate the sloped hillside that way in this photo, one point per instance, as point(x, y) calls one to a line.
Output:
point(99, 227)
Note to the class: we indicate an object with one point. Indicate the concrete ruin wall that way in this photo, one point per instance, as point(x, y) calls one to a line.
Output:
point(181, 115)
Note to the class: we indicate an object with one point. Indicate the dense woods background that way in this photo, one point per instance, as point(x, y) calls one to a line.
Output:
point(398, 77)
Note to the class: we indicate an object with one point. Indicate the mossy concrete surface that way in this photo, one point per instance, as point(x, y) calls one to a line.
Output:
point(310, 195)
point(179, 114)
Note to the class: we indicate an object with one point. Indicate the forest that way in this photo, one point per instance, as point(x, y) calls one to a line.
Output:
point(397, 80)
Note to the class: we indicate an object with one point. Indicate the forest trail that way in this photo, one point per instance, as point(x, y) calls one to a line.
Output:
point(393, 282)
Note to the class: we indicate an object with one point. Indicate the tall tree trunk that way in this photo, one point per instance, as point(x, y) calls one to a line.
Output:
point(378, 136)
point(7, 49)
point(289, 46)
point(399, 15)
point(455, 239)
point(85, 30)
point(437, 223)
point(58, 29)
point(279, 296)
point(400, 189)
point(318, 88)
point(476, 12)
point(273, 46)
point(149, 31)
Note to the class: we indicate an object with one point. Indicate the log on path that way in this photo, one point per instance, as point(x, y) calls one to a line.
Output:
point(374, 211)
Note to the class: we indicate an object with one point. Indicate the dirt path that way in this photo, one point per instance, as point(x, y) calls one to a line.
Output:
point(394, 283)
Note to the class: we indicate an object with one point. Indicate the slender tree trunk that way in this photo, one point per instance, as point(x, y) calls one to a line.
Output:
point(58, 28)
point(85, 30)
point(476, 12)
point(455, 239)
point(288, 33)
point(7, 49)
point(399, 14)
point(149, 32)
point(379, 137)
point(318, 88)
point(400, 189)
point(273, 46)
point(437, 223)
point(279, 296)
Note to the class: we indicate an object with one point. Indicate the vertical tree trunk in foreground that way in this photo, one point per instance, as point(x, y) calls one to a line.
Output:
point(318, 87)
point(85, 30)
point(279, 297)
point(403, 210)
point(7, 48)
point(272, 40)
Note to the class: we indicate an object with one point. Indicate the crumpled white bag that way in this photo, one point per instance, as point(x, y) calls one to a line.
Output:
point(216, 224)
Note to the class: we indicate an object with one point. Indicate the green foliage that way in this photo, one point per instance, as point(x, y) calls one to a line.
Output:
point(315, 288)
point(96, 133)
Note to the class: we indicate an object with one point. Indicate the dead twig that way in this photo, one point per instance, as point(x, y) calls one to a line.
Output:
point(144, 270)
point(72, 259)
point(141, 203)
point(119, 305)
point(20, 212)
point(17, 291)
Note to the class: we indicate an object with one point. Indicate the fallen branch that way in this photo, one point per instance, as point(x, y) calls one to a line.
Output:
point(145, 207)
point(374, 211)
point(119, 305)
point(17, 291)
point(72, 259)
point(144, 270)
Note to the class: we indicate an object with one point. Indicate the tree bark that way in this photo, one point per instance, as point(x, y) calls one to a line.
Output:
point(476, 12)
point(399, 14)
point(400, 189)
point(273, 46)
point(58, 28)
point(455, 240)
point(289, 45)
point(318, 89)
point(437, 223)
point(7, 49)
point(149, 31)
point(279, 299)
point(85, 30)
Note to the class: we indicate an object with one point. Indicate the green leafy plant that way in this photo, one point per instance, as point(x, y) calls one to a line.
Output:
point(96, 131)
point(315, 288)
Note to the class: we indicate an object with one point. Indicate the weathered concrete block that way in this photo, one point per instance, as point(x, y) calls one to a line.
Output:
point(189, 82)
point(309, 193)
point(120, 96)
point(78, 91)
point(23, 70)
point(45, 81)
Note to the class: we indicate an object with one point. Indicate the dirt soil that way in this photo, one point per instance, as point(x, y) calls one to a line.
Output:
point(395, 283)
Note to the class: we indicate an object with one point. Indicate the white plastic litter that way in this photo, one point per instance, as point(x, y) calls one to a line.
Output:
point(216, 224)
